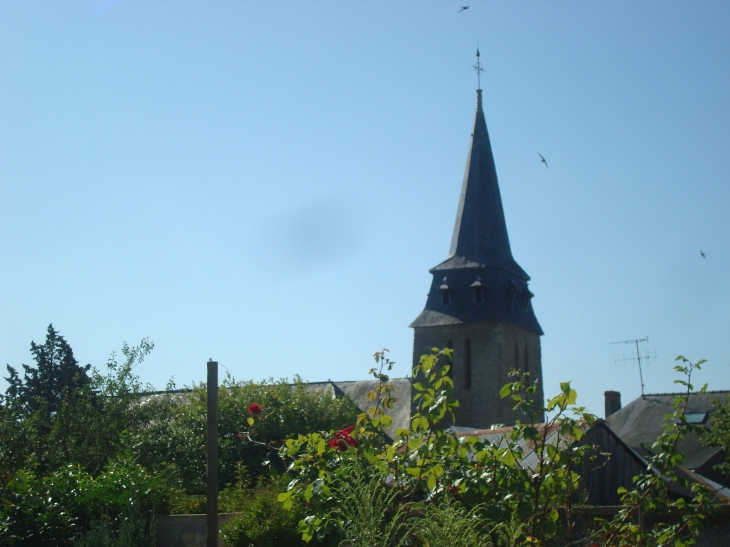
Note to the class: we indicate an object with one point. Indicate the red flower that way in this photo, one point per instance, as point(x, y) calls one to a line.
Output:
point(342, 439)
point(255, 408)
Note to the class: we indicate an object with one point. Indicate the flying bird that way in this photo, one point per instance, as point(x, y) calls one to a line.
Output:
point(463, 9)
point(543, 160)
point(703, 254)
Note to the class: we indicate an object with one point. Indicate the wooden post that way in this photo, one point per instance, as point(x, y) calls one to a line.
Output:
point(212, 461)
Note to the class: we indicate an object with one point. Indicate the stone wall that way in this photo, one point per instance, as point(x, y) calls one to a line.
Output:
point(185, 530)
point(484, 353)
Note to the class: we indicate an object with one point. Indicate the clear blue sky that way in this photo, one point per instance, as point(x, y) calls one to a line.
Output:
point(268, 183)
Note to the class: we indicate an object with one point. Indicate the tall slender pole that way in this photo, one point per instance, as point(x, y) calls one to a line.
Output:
point(641, 374)
point(212, 447)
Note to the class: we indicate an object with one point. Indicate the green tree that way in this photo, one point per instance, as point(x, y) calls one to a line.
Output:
point(57, 374)
point(60, 414)
point(67, 455)
point(32, 405)
point(109, 415)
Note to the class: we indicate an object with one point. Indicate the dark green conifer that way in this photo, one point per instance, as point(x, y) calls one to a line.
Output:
point(57, 375)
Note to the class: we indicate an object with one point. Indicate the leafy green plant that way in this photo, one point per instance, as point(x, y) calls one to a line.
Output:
point(133, 530)
point(426, 463)
point(554, 481)
point(263, 522)
point(367, 510)
point(33, 512)
point(54, 509)
point(289, 409)
point(60, 413)
point(449, 524)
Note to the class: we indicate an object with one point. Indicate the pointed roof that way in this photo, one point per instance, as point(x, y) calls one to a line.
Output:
point(480, 280)
point(480, 234)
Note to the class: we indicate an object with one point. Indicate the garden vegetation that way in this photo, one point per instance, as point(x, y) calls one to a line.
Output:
point(90, 457)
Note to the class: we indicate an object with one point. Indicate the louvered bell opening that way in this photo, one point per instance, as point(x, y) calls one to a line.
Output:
point(477, 291)
point(445, 293)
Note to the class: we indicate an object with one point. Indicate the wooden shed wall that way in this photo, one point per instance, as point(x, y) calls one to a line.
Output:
point(603, 476)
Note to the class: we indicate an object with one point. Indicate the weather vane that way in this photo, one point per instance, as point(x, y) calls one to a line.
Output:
point(478, 69)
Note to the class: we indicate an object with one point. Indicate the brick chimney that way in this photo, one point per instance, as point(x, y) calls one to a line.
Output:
point(613, 402)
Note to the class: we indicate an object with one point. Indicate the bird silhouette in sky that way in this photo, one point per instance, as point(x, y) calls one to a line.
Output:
point(463, 9)
point(702, 253)
point(543, 160)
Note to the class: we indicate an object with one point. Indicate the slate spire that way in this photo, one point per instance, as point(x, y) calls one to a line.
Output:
point(480, 280)
point(480, 233)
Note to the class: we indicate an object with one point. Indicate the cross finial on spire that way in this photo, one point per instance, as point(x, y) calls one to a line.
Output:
point(478, 69)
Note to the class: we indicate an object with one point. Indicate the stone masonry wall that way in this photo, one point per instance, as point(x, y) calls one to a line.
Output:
point(496, 347)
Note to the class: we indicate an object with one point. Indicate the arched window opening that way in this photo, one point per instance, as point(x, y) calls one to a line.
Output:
point(477, 290)
point(445, 293)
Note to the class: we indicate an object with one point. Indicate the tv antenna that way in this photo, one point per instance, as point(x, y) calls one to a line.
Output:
point(639, 357)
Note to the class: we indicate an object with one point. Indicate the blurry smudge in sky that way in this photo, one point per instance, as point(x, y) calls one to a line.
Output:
point(312, 236)
point(100, 6)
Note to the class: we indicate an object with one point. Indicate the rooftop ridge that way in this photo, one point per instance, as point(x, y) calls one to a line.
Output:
point(681, 393)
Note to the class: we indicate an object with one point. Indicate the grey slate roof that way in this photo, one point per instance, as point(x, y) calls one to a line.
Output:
point(401, 390)
point(640, 422)
point(358, 390)
point(480, 252)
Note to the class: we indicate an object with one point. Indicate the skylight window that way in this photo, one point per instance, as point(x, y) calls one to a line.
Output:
point(697, 418)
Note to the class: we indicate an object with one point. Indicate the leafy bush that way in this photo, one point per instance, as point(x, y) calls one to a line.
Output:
point(33, 511)
point(290, 410)
point(367, 509)
point(232, 499)
point(431, 488)
point(427, 463)
point(54, 509)
point(134, 530)
point(82, 447)
point(263, 522)
point(449, 524)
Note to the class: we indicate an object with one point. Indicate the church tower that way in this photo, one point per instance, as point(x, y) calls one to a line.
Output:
point(479, 303)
